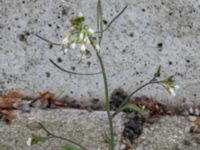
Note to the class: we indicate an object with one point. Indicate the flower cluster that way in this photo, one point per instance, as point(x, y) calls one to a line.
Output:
point(170, 86)
point(79, 34)
point(168, 83)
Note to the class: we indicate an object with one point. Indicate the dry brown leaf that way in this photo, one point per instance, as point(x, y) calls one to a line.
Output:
point(46, 96)
point(5, 105)
point(7, 101)
point(197, 121)
point(9, 117)
point(44, 100)
point(12, 95)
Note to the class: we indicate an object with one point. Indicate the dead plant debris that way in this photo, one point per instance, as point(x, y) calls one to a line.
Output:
point(153, 110)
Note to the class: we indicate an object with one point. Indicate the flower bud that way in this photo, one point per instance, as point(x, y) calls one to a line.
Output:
point(80, 14)
point(83, 48)
point(90, 30)
point(81, 36)
point(65, 50)
point(73, 45)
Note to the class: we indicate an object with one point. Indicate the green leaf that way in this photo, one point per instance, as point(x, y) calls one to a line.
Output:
point(37, 139)
point(157, 74)
point(133, 107)
point(170, 82)
point(78, 22)
point(70, 148)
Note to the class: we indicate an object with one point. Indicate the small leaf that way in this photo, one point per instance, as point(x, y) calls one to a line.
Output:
point(70, 148)
point(78, 22)
point(37, 139)
point(169, 82)
point(133, 107)
point(157, 74)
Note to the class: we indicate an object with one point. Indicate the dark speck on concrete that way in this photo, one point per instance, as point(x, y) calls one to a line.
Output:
point(170, 13)
point(143, 9)
point(88, 63)
point(105, 22)
point(123, 51)
point(22, 37)
point(170, 62)
point(26, 33)
point(50, 46)
point(73, 68)
point(64, 12)
point(188, 61)
point(131, 34)
point(59, 59)
point(48, 74)
point(159, 45)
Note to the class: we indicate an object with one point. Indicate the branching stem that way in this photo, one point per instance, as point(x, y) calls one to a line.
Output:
point(72, 72)
point(152, 81)
point(51, 135)
point(48, 41)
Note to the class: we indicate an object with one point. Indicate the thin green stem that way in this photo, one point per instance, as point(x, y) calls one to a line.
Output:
point(48, 41)
point(113, 20)
point(71, 72)
point(107, 104)
point(51, 135)
point(152, 81)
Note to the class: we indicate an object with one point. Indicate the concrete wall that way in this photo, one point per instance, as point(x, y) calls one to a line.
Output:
point(150, 33)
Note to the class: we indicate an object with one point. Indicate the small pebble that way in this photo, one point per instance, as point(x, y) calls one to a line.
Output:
point(122, 147)
point(34, 126)
point(26, 108)
point(196, 112)
point(192, 118)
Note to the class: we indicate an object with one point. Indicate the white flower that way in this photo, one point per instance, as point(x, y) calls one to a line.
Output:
point(86, 40)
point(83, 48)
point(73, 45)
point(81, 36)
point(90, 30)
point(65, 50)
point(65, 41)
point(176, 87)
point(29, 141)
point(172, 92)
point(67, 38)
point(97, 47)
point(80, 14)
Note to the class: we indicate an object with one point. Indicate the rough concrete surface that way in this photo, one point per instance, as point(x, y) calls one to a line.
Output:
point(150, 33)
point(170, 133)
point(89, 128)
point(85, 128)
